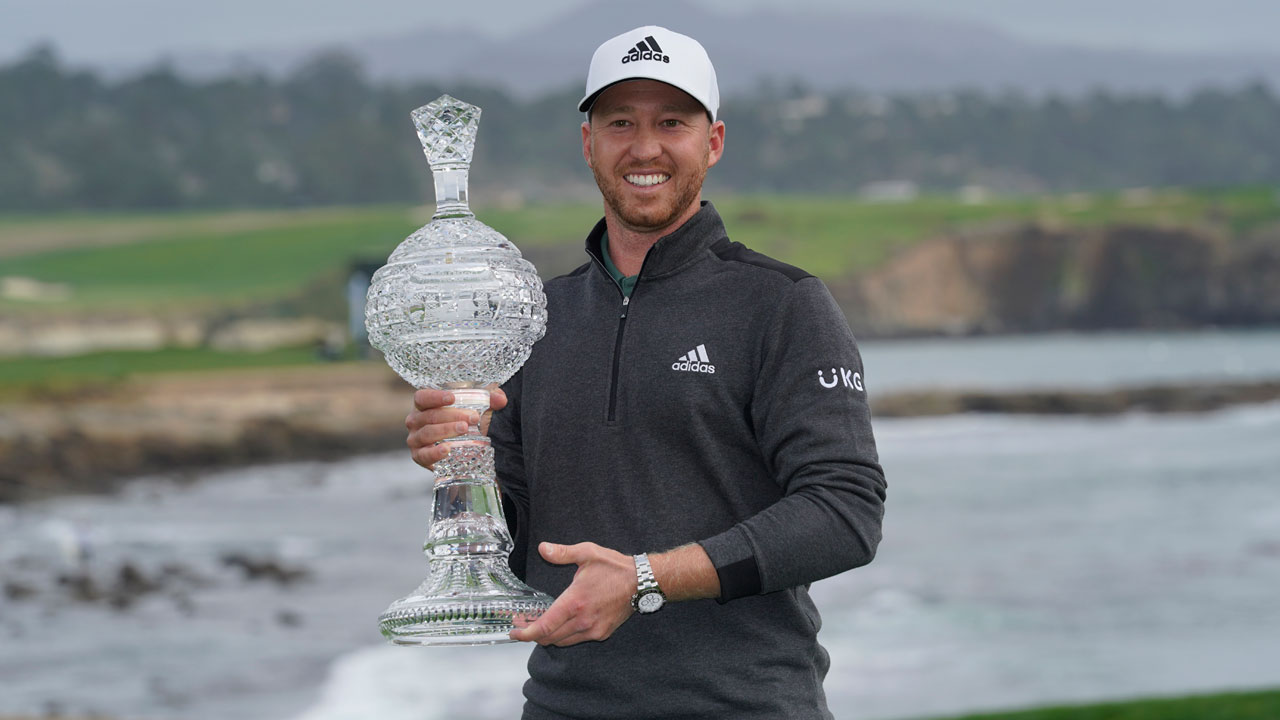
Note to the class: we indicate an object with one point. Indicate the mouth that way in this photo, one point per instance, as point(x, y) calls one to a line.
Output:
point(647, 179)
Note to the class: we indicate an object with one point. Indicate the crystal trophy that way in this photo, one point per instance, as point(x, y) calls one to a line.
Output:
point(456, 307)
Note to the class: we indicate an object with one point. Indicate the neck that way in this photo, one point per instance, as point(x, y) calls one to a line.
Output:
point(628, 245)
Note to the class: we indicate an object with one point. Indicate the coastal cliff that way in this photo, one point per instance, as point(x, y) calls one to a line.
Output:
point(1035, 278)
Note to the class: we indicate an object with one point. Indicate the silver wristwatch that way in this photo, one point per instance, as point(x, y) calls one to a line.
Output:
point(648, 598)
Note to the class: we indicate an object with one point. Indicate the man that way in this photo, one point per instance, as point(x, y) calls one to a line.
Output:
point(692, 400)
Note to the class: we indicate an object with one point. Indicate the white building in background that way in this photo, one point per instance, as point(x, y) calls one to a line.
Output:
point(889, 191)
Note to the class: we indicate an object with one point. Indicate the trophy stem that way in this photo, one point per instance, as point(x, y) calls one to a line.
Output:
point(471, 596)
point(451, 191)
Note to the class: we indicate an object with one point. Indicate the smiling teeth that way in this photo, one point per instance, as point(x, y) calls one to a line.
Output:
point(647, 180)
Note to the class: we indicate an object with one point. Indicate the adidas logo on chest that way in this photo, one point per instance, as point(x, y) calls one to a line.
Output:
point(694, 361)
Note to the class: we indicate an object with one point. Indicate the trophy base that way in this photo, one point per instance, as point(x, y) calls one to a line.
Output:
point(466, 600)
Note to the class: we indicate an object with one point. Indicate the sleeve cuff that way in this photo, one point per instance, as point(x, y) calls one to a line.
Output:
point(735, 564)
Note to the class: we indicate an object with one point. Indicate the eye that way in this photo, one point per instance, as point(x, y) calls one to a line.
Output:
point(620, 123)
point(670, 123)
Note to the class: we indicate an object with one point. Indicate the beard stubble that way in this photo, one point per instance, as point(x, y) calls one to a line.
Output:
point(686, 192)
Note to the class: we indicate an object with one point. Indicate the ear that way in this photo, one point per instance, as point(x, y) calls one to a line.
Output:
point(717, 143)
point(586, 143)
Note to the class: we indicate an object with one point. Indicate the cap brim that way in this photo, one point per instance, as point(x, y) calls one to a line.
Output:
point(590, 100)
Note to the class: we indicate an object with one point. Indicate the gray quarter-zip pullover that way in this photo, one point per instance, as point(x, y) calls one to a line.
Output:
point(722, 403)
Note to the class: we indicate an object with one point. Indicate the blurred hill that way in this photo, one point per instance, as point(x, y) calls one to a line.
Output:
point(827, 50)
point(328, 134)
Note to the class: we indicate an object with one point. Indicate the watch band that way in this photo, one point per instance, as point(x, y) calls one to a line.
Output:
point(646, 585)
point(644, 574)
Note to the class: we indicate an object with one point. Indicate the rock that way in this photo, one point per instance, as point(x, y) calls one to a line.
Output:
point(289, 618)
point(14, 590)
point(81, 587)
point(129, 584)
point(267, 569)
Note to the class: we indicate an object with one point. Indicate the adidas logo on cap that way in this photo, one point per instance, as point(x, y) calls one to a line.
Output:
point(694, 361)
point(646, 49)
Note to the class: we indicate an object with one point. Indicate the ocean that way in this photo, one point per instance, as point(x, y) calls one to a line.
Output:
point(1026, 560)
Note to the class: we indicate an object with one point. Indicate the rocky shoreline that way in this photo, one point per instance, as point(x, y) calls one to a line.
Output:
point(1149, 399)
point(84, 442)
point(90, 440)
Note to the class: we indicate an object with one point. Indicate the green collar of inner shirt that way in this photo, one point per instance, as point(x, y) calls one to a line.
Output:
point(626, 283)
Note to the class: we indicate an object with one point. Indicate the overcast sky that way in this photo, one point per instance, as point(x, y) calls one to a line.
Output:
point(92, 31)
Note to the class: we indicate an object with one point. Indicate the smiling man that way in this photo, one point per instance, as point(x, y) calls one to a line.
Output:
point(649, 145)
point(676, 466)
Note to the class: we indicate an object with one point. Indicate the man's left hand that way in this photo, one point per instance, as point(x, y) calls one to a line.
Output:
point(595, 603)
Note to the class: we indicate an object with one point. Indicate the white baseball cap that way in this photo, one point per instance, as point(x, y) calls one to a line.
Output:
point(653, 53)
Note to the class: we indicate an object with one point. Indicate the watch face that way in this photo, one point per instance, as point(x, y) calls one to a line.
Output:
point(649, 602)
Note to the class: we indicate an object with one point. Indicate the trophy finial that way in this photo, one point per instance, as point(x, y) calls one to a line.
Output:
point(447, 128)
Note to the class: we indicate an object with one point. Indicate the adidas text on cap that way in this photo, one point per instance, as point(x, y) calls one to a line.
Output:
point(653, 53)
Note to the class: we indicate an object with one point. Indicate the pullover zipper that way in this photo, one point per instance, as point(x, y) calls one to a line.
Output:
point(617, 359)
point(622, 326)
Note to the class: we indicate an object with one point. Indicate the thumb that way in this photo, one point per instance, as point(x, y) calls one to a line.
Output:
point(559, 554)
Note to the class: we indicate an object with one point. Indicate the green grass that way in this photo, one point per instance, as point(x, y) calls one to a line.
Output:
point(831, 236)
point(198, 261)
point(37, 375)
point(1264, 705)
point(544, 224)
point(197, 268)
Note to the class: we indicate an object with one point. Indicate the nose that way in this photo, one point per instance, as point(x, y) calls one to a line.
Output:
point(645, 145)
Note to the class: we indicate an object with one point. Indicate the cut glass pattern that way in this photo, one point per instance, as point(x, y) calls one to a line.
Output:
point(447, 129)
point(457, 306)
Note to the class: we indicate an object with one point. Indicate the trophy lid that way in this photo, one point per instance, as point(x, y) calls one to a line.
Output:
point(447, 128)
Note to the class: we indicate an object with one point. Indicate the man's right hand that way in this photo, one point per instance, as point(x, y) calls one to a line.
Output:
point(432, 420)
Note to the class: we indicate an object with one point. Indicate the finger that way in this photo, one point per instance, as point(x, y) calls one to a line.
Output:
point(567, 635)
point(550, 622)
point(428, 399)
point(497, 399)
point(432, 434)
point(437, 416)
point(428, 456)
point(579, 627)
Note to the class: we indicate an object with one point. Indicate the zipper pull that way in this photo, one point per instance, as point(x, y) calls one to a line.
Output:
point(625, 302)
